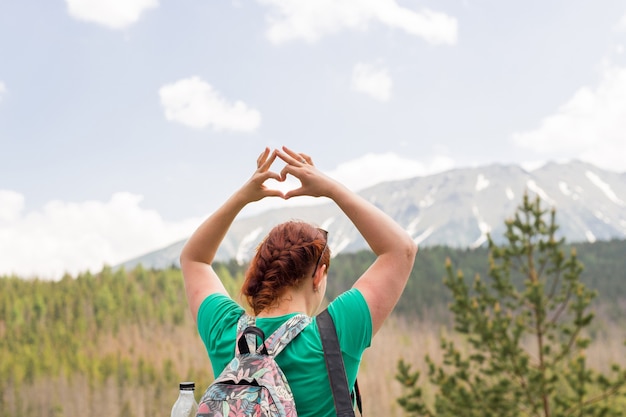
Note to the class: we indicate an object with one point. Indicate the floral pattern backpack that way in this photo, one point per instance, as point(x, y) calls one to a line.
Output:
point(252, 384)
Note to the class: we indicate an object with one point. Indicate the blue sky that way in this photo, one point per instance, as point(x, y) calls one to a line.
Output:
point(123, 123)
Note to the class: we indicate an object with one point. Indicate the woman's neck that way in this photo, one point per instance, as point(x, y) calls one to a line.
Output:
point(290, 302)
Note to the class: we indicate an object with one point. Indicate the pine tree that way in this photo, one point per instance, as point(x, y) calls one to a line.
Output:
point(524, 335)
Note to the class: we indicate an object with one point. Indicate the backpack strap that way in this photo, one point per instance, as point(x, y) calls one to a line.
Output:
point(244, 322)
point(336, 368)
point(243, 345)
point(286, 333)
point(277, 341)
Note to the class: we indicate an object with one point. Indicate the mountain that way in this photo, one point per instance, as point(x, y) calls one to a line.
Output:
point(456, 208)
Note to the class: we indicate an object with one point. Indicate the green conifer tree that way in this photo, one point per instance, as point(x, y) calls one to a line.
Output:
point(524, 336)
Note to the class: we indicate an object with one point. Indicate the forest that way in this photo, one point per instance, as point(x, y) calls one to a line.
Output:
point(118, 342)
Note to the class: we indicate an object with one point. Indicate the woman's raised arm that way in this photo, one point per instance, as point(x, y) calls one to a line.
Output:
point(199, 251)
point(383, 282)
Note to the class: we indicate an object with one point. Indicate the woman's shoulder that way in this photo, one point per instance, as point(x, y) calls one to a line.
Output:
point(216, 307)
point(352, 319)
point(350, 301)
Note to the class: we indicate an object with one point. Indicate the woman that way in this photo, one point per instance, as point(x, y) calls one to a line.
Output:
point(288, 276)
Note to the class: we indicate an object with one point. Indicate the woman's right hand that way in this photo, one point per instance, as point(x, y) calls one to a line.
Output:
point(313, 182)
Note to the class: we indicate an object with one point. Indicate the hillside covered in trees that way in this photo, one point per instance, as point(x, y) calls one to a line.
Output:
point(425, 294)
point(118, 342)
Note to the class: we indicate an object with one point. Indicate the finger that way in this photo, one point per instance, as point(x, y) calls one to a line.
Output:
point(271, 175)
point(287, 169)
point(274, 193)
point(293, 158)
point(261, 159)
point(306, 159)
point(294, 193)
point(268, 161)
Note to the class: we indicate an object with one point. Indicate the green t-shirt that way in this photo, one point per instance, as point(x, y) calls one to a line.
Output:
point(302, 361)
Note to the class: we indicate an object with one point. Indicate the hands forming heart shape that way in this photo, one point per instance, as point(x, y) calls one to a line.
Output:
point(298, 165)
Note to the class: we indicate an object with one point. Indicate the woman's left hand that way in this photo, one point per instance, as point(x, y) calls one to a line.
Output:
point(254, 189)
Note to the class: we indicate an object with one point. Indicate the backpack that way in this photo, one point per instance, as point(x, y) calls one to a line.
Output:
point(252, 384)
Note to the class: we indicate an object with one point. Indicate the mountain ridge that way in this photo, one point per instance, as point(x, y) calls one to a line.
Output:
point(455, 208)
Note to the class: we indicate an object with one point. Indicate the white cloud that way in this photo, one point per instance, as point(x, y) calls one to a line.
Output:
point(590, 126)
point(194, 103)
point(114, 14)
point(11, 203)
point(313, 19)
point(3, 90)
point(385, 167)
point(76, 237)
point(372, 81)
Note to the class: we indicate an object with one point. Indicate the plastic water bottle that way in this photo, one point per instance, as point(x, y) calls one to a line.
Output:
point(185, 405)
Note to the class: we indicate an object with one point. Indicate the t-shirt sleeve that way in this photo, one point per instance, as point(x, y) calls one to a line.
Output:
point(353, 322)
point(217, 313)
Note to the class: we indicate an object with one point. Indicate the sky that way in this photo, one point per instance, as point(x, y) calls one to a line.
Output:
point(124, 123)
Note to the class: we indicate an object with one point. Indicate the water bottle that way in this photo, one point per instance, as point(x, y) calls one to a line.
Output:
point(185, 405)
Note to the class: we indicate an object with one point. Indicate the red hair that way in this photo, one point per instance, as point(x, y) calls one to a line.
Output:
point(283, 260)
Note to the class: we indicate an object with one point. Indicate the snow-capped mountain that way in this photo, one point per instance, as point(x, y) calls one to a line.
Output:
point(455, 208)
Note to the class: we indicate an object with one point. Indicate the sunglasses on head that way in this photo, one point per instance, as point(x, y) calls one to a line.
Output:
point(317, 264)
